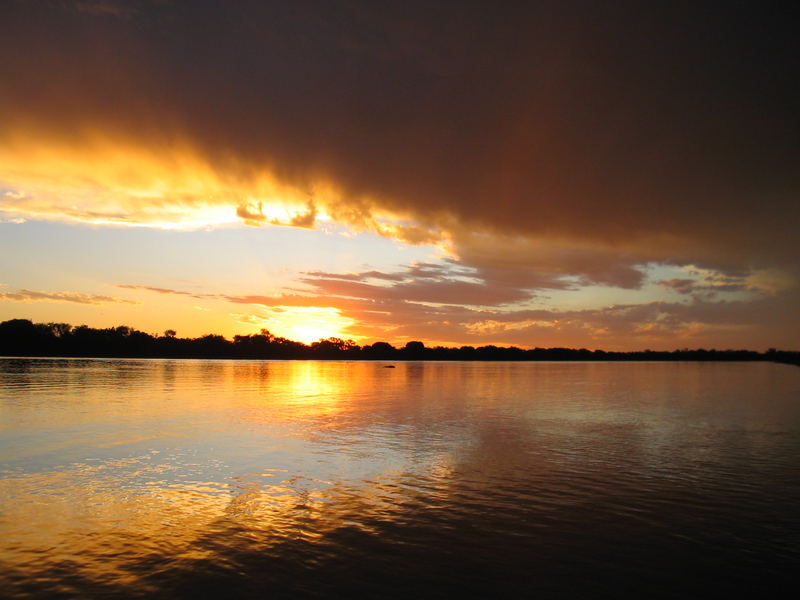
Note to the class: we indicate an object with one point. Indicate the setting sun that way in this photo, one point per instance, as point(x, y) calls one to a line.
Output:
point(305, 324)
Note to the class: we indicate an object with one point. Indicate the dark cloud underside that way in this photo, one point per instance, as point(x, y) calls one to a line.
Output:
point(606, 122)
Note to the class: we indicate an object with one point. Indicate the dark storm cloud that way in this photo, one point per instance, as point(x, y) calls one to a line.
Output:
point(665, 128)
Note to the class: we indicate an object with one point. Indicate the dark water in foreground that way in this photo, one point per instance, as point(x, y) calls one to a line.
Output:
point(208, 479)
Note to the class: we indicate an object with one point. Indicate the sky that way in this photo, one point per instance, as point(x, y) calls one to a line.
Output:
point(617, 175)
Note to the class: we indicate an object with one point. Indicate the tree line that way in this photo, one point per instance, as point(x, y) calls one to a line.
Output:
point(21, 337)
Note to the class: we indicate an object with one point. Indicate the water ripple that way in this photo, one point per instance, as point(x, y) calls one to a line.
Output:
point(171, 479)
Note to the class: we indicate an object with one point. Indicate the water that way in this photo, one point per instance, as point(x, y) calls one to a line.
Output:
point(208, 479)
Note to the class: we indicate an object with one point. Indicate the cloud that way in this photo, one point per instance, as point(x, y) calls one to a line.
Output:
point(709, 284)
point(655, 324)
point(363, 276)
point(661, 325)
point(682, 286)
point(160, 290)
point(438, 291)
point(253, 214)
point(580, 129)
point(77, 297)
point(107, 8)
point(392, 311)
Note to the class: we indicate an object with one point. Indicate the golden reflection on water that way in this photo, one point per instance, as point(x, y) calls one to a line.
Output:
point(120, 472)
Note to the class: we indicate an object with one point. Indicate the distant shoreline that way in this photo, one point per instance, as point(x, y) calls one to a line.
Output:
point(23, 338)
point(794, 362)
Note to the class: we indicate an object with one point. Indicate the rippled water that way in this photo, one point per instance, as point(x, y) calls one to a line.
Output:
point(204, 479)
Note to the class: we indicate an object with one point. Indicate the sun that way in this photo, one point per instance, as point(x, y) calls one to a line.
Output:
point(305, 324)
point(309, 333)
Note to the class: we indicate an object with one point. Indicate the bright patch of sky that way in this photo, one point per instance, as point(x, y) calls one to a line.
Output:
point(236, 259)
point(49, 256)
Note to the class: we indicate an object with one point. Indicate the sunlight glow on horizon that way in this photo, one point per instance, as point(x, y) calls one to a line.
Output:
point(305, 324)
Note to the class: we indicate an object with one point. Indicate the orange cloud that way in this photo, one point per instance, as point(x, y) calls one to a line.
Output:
point(76, 297)
point(389, 312)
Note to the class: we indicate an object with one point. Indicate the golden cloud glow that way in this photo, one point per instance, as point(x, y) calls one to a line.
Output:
point(106, 182)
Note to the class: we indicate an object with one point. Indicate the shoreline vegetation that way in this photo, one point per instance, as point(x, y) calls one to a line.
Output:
point(21, 337)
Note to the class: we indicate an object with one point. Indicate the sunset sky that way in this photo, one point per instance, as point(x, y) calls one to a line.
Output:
point(618, 175)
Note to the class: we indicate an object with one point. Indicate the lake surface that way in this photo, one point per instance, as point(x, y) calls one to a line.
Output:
point(270, 479)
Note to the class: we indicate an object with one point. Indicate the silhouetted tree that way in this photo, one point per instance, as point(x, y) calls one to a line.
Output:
point(380, 350)
point(414, 350)
point(21, 337)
